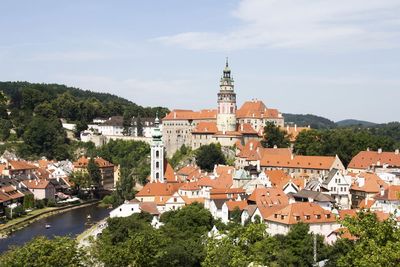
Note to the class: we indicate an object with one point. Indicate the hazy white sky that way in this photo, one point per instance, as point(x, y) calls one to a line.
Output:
point(335, 58)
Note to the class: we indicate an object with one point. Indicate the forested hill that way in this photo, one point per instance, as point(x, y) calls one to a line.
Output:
point(302, 120)
point(72, 103)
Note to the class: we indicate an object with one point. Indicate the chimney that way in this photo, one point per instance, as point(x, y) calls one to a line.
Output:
point(291, 156)
point(174, 115)
point(275, 146)
point(251, 146)
point(258, 150)
point(367, 148)
point(295, 127)
point(382, 191)
point(287, 128)
point(396, 151)
point(379, 150)
point(241, 127)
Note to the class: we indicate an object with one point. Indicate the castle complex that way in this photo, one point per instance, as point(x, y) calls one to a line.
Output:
point(226, 125)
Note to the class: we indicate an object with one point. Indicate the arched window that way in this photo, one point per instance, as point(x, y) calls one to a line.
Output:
point(157, 175)
point(157, 164)
point(157, 154)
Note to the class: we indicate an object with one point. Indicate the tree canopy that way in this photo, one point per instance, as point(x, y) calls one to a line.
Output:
point(208, 156)
point(274, 136)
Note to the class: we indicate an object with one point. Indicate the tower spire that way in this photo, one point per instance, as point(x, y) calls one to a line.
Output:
point(227, 64)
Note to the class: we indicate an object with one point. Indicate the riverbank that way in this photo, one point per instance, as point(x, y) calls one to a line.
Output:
point(22, 222)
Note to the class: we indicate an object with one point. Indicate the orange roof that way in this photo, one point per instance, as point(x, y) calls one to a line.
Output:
point(366, 203)
point(42, 173)
point(83, 161)
point(392, 193)
point(365, 159)
point(293, 131)
point(252, 150)
point(180, 114)
point(278, 178)
point(256, 109)
point(372, 183)
point(169, 174)
point(36, 184)
point(347, 213)
point(305, 212)
point(189, 200)
point(239, 145)
point(267, 211)
point(43, 163)
point(21, 165)
point(4, 197)
point(233, 204)
point(192, 186)
point(158, 189)
point(205, 127)
point(246, 128)
point(303, 162)
point(343, 232)
point(149, 207)
point(268, 197)
point(190, 171)
point(2, 168)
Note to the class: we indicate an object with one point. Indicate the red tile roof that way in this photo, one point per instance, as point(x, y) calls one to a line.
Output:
point(365, 159)
point(372, 183)
point(268, 197)
point(233, 204)
point(205, 127)
point(36, 184)
point(181, 114)
point(158, 189)
point(303, 162)
point(83, 161)
point(21, 165)
point(305, 212)
point(392, 193)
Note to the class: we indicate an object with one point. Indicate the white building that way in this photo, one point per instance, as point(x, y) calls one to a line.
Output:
point(134, 206)
point(338, 186)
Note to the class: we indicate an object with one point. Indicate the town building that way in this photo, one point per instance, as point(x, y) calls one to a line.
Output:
point(106, 170)
point(371, 160)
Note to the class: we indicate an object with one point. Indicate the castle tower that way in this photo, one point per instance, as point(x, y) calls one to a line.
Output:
point(157, 155)
point(226, 116)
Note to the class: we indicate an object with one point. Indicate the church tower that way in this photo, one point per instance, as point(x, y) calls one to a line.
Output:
point(226, 115)
point(157, 154)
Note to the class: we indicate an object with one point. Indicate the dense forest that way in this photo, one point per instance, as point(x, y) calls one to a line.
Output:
point(30, 113)
point(184, 239)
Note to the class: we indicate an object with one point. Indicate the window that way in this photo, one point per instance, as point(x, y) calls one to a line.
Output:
point(157, 154)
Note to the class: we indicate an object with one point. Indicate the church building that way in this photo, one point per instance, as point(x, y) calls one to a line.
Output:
point(226, 125)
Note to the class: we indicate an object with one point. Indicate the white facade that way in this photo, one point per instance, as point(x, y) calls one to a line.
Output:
point(175, 202)
point(157, 155)
point(339, 188)
point(125, 210)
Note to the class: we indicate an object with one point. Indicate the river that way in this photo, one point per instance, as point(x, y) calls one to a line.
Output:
point(69, 223)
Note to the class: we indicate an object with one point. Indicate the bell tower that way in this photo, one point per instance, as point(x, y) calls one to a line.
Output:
point(157, 154)
point(226, 115)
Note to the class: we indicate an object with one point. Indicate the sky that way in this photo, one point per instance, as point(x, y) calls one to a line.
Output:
point(335, 58)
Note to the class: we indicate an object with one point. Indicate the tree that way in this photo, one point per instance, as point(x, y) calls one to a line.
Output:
point(60, 251)
point(80, 127)
point(29, 202)
point(208, 156)
point(274, 136)
point(94, 172)
point(5, 128)
point(139, 126)
point(127, 123)
point(45, 110)
point(377, 241)
point(44, 137)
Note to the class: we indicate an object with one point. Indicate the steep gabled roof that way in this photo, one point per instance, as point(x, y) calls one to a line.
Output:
point(372, 183)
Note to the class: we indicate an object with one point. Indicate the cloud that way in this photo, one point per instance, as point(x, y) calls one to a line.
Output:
point(302, 24)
